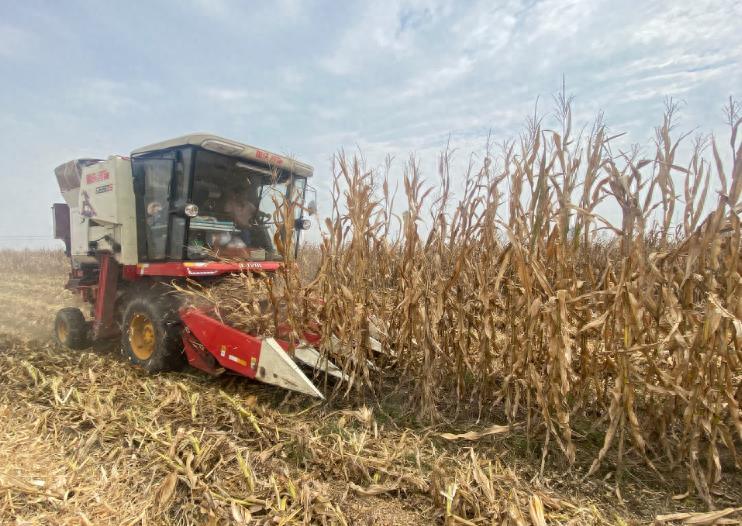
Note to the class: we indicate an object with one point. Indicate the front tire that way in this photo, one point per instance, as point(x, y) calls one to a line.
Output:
point(71, 330)
point(150, 335)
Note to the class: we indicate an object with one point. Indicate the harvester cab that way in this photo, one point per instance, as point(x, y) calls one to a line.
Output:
point(195, 207)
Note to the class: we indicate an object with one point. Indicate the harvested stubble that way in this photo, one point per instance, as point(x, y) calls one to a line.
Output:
point(512, 299)
point(88, 440)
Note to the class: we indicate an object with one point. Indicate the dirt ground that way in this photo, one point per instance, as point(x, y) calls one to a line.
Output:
point(87, 439)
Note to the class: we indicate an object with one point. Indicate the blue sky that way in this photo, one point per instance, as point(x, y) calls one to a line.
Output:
point(307, 78)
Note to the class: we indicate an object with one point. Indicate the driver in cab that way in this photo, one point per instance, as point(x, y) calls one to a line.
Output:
point(250, 236)
point(244, 214)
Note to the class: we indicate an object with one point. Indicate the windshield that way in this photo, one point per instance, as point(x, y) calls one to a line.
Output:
point(239, 208)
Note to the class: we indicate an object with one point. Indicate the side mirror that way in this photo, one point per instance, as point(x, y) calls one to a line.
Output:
point(312, 207)
point(310, 194)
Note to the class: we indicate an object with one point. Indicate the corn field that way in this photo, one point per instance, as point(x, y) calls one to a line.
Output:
point(495, 326)
point(516, 299)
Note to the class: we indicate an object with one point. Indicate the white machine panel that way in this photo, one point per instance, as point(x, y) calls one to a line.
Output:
point(106, 204)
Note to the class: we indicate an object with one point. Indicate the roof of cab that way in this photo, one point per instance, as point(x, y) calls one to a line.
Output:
point(231, 148)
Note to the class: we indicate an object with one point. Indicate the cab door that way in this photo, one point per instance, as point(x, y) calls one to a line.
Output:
point(161, 186)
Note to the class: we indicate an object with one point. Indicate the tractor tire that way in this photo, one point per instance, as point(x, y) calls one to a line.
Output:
point(71, 330)
point(151, 334)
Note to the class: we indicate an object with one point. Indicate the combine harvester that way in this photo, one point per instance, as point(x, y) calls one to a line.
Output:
point(132, 225)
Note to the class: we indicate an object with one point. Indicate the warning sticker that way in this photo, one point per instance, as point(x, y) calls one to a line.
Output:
point(97, 177)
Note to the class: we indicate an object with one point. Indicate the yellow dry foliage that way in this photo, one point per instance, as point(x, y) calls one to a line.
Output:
point(517, 296)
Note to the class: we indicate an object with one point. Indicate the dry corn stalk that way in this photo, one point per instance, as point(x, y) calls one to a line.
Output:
point(518, 295)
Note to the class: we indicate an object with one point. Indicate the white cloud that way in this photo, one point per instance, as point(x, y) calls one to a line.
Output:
point(709, 21)
point(560, 20)
point(670, 84)
point(382, 31)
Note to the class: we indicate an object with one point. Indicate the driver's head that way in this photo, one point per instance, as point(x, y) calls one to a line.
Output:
point(242, 210)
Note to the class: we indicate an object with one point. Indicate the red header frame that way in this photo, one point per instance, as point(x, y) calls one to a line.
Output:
point(196, 269)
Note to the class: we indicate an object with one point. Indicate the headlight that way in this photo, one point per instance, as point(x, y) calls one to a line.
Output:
point(191, 210)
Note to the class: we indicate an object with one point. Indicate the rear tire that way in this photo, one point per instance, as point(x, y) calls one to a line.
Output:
point(150, 335)
point(71, 330)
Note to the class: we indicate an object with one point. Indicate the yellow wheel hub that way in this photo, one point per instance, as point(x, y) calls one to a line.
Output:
point(142, 336)
point(62, 331)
